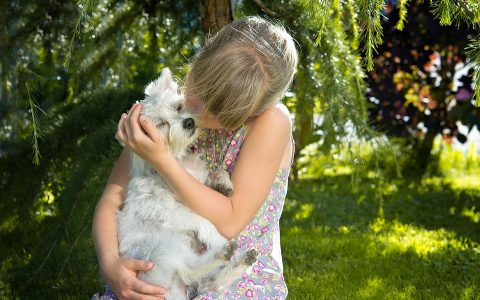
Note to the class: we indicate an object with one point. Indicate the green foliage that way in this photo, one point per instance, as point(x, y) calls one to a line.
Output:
point(328, 94)
point(473, 51)
point(458, 12)
point(360, 159)
point(137, 39)
point(86, 8)
point(449, 11)
point(36, 130)
point(370, 28)
point(112, 44)
point(363, 18)
point(416, 90)
point(366, 24)
point(402, 7)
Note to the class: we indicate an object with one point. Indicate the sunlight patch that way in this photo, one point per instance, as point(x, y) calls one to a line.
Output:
point(374, 284)
point(45, 206)
point(405, 237)
point(344, 229)
point(471, 214)
point(471, 182)
point(295, 230)
point(304, 211)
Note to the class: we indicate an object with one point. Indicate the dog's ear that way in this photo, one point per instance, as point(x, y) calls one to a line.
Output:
point(165, 81)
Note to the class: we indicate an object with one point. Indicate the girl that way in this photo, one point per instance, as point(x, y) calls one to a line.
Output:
point(234, 86)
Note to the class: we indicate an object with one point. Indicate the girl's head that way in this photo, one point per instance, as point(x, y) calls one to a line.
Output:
point(241, 70)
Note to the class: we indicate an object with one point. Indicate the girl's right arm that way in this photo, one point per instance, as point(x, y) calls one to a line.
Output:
point(119, 273)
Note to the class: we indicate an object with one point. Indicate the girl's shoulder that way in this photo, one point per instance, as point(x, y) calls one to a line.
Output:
point(275, 117)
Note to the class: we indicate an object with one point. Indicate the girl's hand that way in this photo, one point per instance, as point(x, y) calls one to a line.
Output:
point(140, 135)
point(121, 276)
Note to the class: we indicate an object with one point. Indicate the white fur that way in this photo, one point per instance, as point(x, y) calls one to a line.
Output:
point(153, 225)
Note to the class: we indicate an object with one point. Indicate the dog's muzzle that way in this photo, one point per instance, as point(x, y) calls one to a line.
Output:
point(188, 123)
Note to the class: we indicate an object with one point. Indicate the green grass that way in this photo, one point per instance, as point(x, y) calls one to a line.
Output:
point(402, 240)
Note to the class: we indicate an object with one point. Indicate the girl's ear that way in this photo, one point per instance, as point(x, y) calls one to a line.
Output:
point(165, 81)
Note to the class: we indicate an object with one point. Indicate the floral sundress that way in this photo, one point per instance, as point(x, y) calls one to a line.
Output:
point(264, 280)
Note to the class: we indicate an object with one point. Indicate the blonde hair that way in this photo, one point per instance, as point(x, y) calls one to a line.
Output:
point(243, 69)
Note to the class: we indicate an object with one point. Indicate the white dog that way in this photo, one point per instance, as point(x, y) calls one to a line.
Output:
point(153, 225)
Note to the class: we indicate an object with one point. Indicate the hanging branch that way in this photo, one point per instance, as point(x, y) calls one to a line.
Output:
point(472, 10)
point(445, 10)
point(369, 12)
point(402, 13)
point(352, 22)
point(36, 129)
point(448, 11)
point(468, 11)
point(473, 53)
point(33, 82)
point(86, 7)
point(321, 11)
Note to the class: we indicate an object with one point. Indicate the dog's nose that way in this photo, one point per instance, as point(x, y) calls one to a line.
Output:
point(188, 123)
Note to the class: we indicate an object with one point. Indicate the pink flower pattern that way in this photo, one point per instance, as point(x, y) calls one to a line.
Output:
point(264, 280)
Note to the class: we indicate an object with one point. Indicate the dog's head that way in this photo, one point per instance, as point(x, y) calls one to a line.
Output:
point(164, 105)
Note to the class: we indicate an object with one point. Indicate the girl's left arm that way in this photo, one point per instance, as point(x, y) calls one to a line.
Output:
point(252, 178)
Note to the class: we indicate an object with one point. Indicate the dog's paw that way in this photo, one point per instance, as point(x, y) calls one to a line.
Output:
point(224, 189)
point(251, 256)
point(220, 181)
point(231, 248)
point(192, 290)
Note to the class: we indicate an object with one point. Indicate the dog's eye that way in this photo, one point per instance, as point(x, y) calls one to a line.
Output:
point(179, 107)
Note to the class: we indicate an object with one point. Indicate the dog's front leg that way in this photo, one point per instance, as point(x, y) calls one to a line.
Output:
point(219, 180)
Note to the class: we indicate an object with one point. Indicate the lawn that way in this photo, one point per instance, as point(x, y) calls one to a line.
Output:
point(402, 240)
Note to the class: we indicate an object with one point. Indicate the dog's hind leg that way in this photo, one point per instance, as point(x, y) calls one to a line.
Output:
point(231, 272)
point(204, 265)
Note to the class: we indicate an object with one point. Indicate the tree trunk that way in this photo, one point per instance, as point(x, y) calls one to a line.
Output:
point(424, 151)
point(215, 14)
point(304, 116)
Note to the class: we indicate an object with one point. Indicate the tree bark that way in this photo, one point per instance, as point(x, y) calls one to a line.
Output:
point(303, 123)
point(424, 152)
point(215, 14)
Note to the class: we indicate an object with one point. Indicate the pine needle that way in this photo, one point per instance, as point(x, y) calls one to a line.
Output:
point(473, 53)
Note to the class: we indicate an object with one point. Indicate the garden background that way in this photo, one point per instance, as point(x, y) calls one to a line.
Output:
point(384, 193)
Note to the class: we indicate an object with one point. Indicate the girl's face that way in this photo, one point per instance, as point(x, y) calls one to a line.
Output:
point(204, 119)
